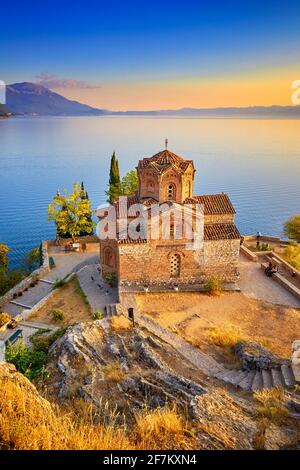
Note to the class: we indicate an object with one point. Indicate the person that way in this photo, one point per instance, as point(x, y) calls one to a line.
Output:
point(258, 235)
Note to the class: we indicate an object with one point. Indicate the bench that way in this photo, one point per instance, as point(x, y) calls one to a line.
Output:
point(13, 338)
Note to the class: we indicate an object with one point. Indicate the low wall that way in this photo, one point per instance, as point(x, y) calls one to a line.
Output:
point(283, 282)
point(268, 238)
point(27, 313)
point(289, 268)
point(248, 253)
point(33, 277)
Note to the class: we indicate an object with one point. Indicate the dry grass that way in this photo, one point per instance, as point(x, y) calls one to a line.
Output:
point(114, 372)
point(70, 301)
point(29, 422)
point(163, 427)
point(120, 322)
point(271, 405)
point(225, 337)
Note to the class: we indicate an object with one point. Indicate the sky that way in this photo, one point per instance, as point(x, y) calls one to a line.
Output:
point(138, 55)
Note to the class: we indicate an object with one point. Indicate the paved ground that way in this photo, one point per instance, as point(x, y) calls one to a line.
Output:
point(65, 263)
point(255, 284)
point(96, 290)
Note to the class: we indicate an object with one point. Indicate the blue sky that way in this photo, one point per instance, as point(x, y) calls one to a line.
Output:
point(150, 46)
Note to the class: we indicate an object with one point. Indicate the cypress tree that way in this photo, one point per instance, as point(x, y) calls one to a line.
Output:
point(114, 179)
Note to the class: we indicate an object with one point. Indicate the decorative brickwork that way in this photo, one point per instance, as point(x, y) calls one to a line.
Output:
point(160, 263)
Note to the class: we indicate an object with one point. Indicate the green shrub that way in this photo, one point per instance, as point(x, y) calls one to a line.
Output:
point(213, 285)
point(98, 315)
point(29, 362)
point(58, 314)
point(59, 283)
point(42, 343)
point(112, 279)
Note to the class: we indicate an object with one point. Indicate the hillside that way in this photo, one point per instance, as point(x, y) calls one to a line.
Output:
point(33, 99)
point(109, 386)
point(4, 111)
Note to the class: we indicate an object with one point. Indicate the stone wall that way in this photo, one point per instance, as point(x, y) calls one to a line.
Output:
point(33, 277)
point(149, 264)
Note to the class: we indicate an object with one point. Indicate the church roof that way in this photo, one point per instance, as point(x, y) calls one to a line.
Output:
point(162, 161)
point(221, 232)
point(214, 204)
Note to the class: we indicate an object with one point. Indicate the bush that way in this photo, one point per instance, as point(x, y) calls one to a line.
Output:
point(112, 279)
point(42, 342)
point(98, 315)
point(225, 337)
point(271, 405)
point(292, 256)
point(59, 283)
point(292, 228)
point(114, 372)
point(58, 315)
point(4, 318)
point(213, 285)
point(29, 362)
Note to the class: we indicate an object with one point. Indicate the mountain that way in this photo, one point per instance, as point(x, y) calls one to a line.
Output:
point(30, 98)
point(34, 99)
point(271, 112)
point(4, 111)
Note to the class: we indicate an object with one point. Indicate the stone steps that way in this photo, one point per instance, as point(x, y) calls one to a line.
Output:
point(111, 310)
point(262, 379)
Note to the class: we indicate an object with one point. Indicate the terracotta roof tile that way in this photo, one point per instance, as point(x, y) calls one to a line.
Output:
point(213, 203)
point(163, 160)
point(221, 232)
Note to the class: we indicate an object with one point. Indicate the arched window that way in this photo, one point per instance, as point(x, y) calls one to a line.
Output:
point(175, 265)
point(171, 192)
point(109, 258)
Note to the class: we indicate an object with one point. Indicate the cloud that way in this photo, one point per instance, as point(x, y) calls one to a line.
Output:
point(51, 81)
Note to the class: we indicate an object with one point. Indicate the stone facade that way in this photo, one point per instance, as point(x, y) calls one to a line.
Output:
point(159, 263)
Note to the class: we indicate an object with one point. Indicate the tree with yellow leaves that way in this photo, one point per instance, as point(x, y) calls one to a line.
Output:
point(72, 213)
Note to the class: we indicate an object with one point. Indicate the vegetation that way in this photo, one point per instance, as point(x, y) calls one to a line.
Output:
point(4, 250)
point(42, 342)
point(292, 228)
point(31, 423)
point(292, 255)
point(271, 405)
point(213, 285)
point(225, 337)
point(112, 279)
point(79, 291)
point(33, 259)
point(72, 213)
point(114, 372)
point(97, 315)
point(120, 322)
point(30, 362)
point(117, 187)
point(129, 184)
point(4, 318)
point(8, 278)
point(58, 284)
point(58, 315)
point(114, 185)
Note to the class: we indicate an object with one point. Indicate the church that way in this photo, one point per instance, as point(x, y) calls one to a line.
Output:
point(172, 262)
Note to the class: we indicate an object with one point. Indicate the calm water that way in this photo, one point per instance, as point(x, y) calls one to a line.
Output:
point(256, 161)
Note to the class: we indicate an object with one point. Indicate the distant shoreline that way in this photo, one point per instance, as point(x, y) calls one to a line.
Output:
point(158, 116)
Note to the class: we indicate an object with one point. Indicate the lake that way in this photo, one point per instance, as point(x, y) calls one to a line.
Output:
point(257, 162)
